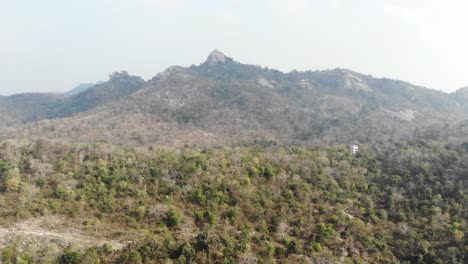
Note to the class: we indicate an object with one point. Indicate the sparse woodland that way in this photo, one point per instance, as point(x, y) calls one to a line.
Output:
point(392, 202)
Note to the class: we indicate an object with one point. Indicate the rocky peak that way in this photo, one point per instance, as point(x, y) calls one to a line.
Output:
point(169, 72)
point(123, 76)
point(216, 57)
point(462, 91)
point(118, 75)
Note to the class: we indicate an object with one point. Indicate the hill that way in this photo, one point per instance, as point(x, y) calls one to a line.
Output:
point(225, 162)
point(398, 202)
point(81, 88)
point(222, 101)
point(27, 107)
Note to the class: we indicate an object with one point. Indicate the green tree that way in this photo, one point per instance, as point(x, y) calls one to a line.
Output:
point(173, 218)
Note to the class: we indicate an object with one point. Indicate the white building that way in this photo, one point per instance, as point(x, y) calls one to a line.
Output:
point(354, 149)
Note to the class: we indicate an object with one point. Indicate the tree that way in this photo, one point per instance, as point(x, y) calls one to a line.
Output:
point(70, 256)
point(173, 218)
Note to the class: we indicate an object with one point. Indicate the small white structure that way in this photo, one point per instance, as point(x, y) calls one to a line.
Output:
point(354, 149)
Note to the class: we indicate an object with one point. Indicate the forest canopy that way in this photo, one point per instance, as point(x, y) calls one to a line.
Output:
point(391, 202)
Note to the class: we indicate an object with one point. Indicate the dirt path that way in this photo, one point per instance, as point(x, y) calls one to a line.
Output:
point(50, 230)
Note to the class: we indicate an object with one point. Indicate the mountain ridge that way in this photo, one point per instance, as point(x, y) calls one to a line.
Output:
point(216, 51)
point(82, 88)
point(223, 101)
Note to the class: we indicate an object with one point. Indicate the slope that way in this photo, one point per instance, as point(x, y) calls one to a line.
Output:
point(222, 101)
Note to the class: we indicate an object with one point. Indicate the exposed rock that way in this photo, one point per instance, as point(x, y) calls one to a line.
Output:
point(216, 57)
point(354, 82)
point(404, 115)
point(263, 82)
point(305, 84)
point(168, 72)
point(118, 75)
point(124, 76)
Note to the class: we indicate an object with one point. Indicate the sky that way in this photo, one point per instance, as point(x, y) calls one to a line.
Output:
point(54, 45)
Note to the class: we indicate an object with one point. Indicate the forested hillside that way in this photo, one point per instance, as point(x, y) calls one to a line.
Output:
point(395, 201)
point(225, 162)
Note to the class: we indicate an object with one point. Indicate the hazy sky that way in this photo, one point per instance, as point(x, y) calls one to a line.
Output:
point(53, 45)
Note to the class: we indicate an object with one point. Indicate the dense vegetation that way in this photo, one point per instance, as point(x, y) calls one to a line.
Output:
point(392, 202)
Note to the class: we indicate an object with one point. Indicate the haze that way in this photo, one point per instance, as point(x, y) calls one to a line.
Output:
point(54, 45)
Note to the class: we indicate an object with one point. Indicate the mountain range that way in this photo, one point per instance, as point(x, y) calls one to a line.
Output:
point(222, 101)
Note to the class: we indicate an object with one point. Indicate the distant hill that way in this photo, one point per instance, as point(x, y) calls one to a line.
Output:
point(223, 101)
point(27, 107)
point(81, 88)
point(120, 84)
